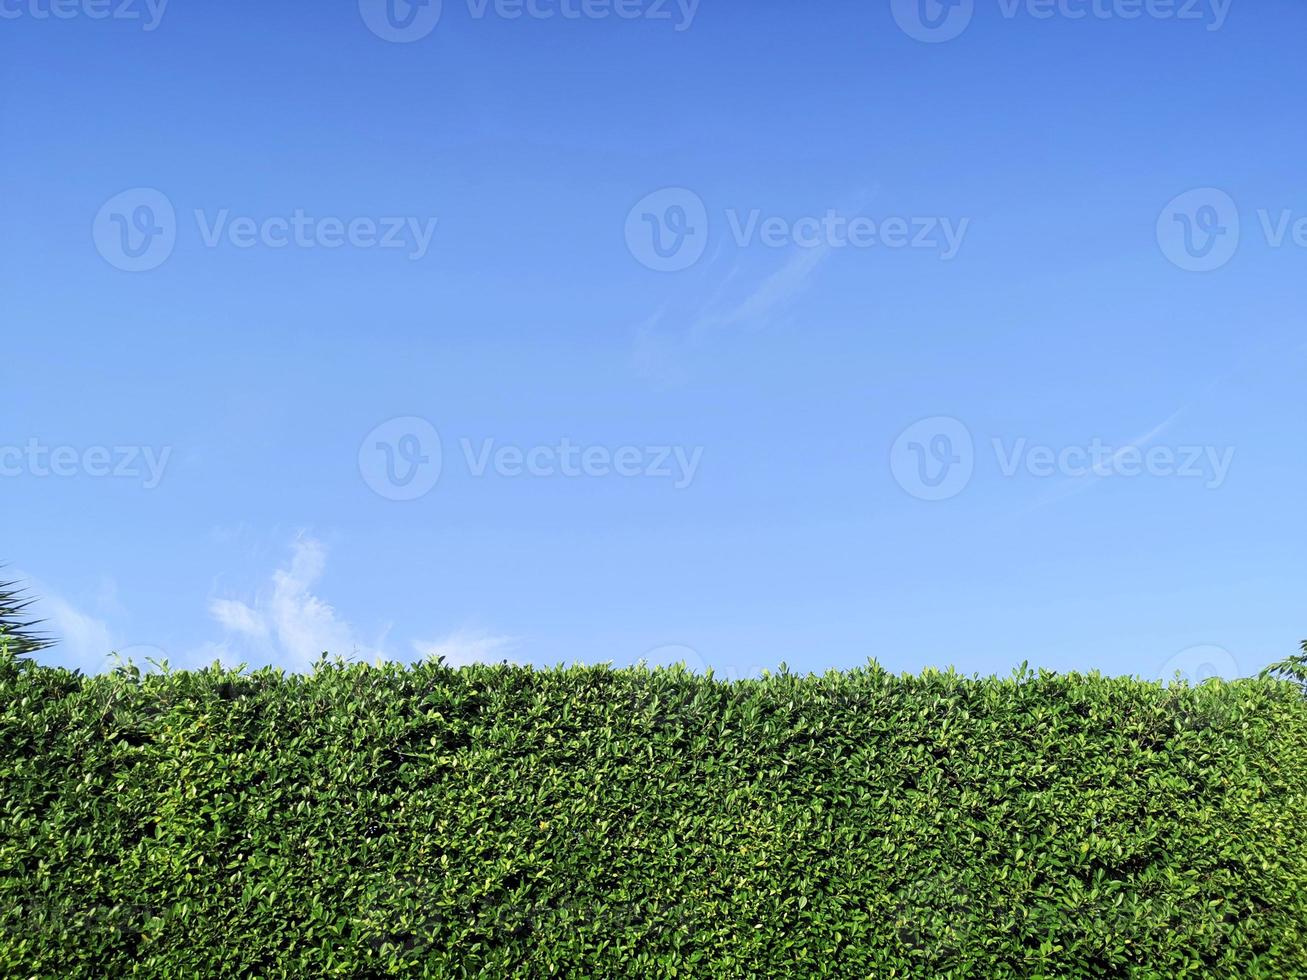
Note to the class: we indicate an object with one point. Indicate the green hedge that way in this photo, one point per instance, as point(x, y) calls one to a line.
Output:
point(367, 821)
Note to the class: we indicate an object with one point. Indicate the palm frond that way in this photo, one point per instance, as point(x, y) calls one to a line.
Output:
point(17, 631)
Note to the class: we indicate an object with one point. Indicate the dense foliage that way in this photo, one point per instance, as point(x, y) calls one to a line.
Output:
point(369, 821)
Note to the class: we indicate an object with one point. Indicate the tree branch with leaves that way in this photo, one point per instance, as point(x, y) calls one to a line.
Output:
point(1291, 668)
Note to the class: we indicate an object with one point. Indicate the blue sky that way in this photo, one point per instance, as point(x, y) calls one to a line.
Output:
point(730, 332)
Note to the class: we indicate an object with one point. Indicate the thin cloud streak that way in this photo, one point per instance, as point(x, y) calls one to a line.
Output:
point(1079, 484)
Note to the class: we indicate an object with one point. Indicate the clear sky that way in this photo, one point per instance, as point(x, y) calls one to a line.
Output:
point(738, 332)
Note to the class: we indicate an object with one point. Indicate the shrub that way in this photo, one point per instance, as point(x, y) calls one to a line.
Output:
point(368, 821)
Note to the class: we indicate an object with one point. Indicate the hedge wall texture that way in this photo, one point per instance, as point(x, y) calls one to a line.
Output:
point(372, 821)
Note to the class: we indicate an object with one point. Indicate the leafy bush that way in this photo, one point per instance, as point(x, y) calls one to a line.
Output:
point(499, 821)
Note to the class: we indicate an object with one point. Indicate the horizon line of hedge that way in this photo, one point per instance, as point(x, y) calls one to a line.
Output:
point(422, 820)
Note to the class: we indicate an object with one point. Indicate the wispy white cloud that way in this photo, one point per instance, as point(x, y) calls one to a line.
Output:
point(1139, 442)
point(465, 647)
point(1079, 484)
point(84, 641)
point(666, 340)
point(713, 301)
point(768, 296)
point(777, 290)
point(237, 617)
point(288, 623)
